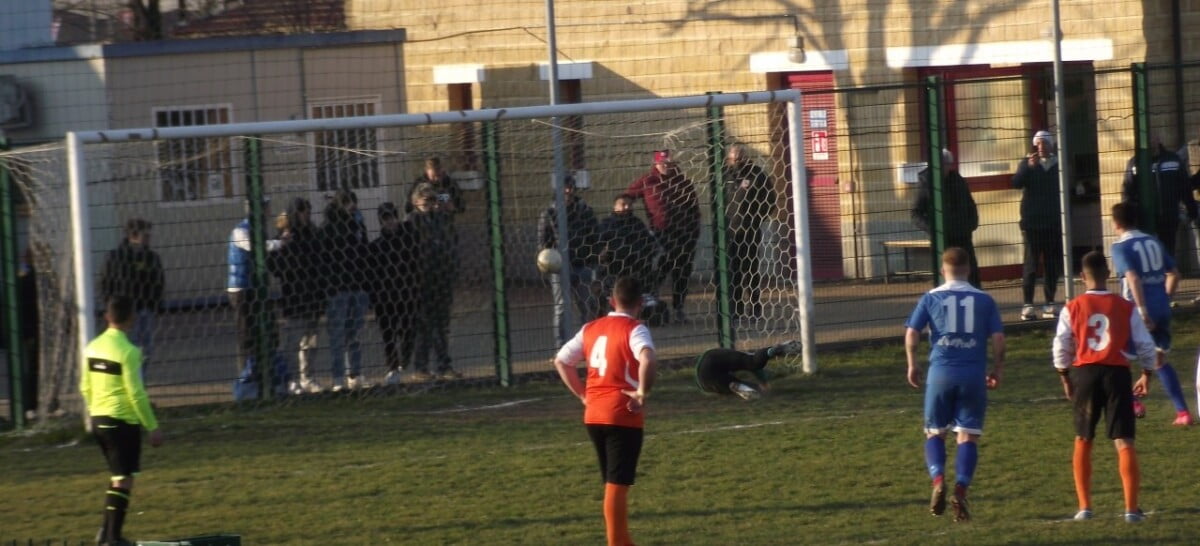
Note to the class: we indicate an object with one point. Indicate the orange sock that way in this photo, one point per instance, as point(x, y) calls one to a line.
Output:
point(1082, 463)
point(1130, 476)
point(616, 514)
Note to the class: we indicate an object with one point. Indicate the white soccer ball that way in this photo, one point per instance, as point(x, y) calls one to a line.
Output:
point(549, 261)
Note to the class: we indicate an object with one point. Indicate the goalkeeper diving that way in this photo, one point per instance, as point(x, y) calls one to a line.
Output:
point(717, 369)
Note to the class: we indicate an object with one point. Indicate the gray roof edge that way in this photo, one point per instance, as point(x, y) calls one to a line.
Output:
point(201, 45)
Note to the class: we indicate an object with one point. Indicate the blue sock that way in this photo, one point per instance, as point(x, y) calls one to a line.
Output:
point(935, 456)
point(1170, 383)
point(964, 462)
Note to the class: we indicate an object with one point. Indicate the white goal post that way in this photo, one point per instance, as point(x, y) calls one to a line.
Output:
point(79, 201)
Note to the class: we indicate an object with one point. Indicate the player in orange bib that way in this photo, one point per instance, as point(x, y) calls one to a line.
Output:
point(1095, 331)
point(620, 371)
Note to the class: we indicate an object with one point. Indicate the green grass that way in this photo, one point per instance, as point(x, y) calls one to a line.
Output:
point(833, 458)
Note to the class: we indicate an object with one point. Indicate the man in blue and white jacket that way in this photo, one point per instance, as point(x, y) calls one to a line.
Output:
point(239, 282)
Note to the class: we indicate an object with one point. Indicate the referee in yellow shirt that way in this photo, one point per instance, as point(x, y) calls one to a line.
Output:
point(111, 385)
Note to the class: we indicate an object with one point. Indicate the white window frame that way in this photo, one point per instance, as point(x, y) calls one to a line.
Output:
point(376, 101)
point(234, 157)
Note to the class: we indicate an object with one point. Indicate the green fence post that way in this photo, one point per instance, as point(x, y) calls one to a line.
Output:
point(503, 349)
point(716, 165)
point(935, 128)
point(1147, 193)
point(259, 312)
point(12, 332)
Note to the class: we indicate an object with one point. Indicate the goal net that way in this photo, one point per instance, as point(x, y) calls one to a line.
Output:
point(357, 249)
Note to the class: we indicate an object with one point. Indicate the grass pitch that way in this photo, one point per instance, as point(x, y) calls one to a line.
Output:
point(832, 458)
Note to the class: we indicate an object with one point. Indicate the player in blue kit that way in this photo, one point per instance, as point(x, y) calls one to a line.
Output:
point(1148, 279)
point(961, 319)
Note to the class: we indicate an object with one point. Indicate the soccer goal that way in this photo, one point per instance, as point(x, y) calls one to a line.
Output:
point(246, 273)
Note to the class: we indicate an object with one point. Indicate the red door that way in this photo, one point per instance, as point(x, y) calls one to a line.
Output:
point(819, 120)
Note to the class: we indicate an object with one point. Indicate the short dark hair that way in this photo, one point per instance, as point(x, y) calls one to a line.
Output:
point(627, 291)
point(387, 211)
point(1124, 214)
point(1095, 264)
point(624, 197)
point(137, 226)
point(956, 257)
point(119, 309)
point(433, 162)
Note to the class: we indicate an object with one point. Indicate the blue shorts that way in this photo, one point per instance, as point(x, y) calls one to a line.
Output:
point(955, 405)
point(1162, 332)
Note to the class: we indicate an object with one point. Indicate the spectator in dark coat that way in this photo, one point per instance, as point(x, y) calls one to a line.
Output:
point(297, 265)
point(627, 246)
point(134, 271)
point(674, 212)
point(582, 244)
point(1041, 223)
point(751, 199)
point(437, 264)
point(1172, 188)
point(344, 251)
point(449, 197)
point(960, 214)
point(29, 329)
point(394, 288)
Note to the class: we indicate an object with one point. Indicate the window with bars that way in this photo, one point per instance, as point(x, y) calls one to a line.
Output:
point(194, 169)
point(346, 159)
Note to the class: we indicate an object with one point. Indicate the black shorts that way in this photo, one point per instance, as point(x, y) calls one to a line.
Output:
point(618, 449)
point(1103, 389)
point(121, 444)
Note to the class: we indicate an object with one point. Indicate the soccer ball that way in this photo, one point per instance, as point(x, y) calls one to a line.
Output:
point(549, 261)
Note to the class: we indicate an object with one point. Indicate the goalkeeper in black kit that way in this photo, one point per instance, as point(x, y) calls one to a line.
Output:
point(716, 369)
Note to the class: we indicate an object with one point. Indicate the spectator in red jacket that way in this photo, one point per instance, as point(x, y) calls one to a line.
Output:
point(674, 213)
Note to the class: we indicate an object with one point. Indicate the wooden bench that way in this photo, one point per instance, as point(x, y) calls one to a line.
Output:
point(904, 246)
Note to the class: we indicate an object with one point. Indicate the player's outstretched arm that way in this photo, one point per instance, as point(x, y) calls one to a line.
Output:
point(912, 339)
point(1147, 353)
point(1063, 351)
point(1134, 282)
point(1172, 282)
point(999, 350)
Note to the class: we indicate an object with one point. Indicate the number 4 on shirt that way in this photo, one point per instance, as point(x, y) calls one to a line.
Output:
point(598, 358)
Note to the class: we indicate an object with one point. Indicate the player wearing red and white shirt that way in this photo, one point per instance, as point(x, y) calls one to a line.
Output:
point(620, 371)
point(1095, 331)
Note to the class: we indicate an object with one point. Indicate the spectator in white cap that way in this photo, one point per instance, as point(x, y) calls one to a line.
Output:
point(1041, 228)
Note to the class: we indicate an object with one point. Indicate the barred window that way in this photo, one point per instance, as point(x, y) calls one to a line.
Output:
point(194, 169)
point(346, 159)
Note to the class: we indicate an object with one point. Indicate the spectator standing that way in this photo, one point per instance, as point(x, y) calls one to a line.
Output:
point(393, 274)
point(239, 283)
point(297, 265)
point(437, 261)
point(449, 197)
point(1041, 223)
point(29, 330)
point(583, 231)
point(1169, 178)
point(134, 271)
point(751, 199)
point(960, 214)
point(344, 250)
point(627, 246)
point(674, 212)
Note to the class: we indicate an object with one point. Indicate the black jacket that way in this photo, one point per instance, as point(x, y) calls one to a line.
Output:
point(627, 246)
point(748, 207)
point(298, 266)
point(1039, 197)
point(1170, 179)
point(394, 276)
point(581, 225)
point(135, 272)
point(959, 211)
point(344, 252)
point(437, 250)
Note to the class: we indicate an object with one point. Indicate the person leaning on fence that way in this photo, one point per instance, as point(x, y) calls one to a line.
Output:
point(449, 197)
point(110, 383)
point(1041, 223)
point(344, 256)
point(394, 290)
point(437, 269)
point(1173, 190)
point(239, 283)
point(674, 212)
point(960, 215)
point(134, 271)
point(297, 265)
point(582, 244)
point(627, 246)
point(751, 199)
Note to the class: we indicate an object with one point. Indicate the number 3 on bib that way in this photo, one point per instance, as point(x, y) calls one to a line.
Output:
point(599, 359)
point(1099, 324)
